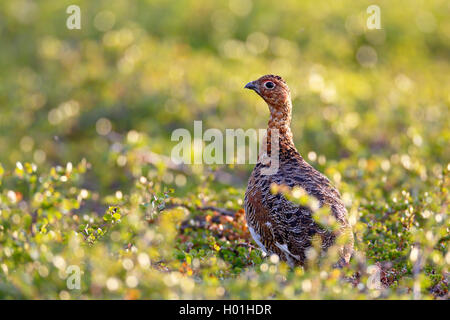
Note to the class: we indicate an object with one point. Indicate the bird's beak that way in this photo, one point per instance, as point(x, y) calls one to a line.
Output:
point(252, 86)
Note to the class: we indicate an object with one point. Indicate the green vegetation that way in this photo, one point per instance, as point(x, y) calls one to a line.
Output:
point(86, 118)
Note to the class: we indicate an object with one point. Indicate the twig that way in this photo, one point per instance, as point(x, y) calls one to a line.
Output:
point(153, 158)
point(219, 210)
point(206, 208)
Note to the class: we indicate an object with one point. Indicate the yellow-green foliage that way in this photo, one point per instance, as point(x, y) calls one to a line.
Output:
point(80, 110)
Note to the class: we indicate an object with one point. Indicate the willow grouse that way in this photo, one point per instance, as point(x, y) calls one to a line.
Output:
point(276, 224)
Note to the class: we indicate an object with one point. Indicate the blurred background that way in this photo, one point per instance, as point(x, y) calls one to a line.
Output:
point(144, 68)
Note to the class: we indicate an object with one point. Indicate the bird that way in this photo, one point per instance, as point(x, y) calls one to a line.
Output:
point(278, 225)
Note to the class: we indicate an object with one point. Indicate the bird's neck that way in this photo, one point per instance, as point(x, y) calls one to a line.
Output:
point(280, 123)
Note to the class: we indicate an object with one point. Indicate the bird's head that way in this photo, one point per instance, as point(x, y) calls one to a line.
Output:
point(273, 89)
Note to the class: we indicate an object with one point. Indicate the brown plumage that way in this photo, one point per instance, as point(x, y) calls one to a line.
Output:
point(278, 225)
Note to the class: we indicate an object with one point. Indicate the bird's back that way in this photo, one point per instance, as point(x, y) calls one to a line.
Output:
point(282, 227)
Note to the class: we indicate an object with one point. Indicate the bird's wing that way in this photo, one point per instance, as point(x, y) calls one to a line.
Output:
point(297, 172)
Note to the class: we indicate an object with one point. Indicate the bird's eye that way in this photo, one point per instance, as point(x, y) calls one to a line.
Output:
point(269, 85)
